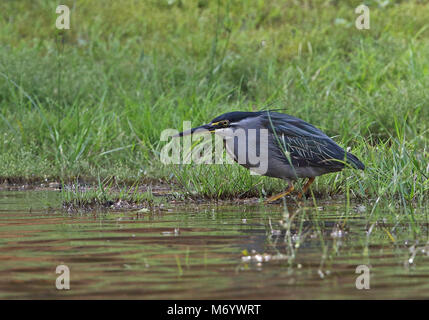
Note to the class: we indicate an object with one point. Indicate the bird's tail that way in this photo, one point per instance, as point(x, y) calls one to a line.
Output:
point(354, 161)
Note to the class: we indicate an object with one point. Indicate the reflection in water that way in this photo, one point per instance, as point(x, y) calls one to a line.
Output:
point(210, 251)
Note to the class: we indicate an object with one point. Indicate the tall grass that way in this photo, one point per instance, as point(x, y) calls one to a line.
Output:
point(130, 69)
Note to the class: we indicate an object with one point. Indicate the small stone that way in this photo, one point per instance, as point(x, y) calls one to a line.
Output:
point(246, 258)
point(54, 185)
point(258, 258)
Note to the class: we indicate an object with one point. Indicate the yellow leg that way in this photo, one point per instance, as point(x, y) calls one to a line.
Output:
point(306, 186)
point(281, 195)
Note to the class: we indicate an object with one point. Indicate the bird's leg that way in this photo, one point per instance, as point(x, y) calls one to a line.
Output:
point(306, 186)
point(281, 195)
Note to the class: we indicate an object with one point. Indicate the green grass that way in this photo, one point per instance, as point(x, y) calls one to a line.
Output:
point(95, 104)
point(106, 195)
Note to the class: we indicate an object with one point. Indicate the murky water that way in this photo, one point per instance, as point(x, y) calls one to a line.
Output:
point(219, 252)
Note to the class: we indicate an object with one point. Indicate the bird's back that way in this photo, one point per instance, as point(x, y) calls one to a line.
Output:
point(296, 148)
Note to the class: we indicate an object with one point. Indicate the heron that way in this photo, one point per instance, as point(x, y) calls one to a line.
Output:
point(294, 148)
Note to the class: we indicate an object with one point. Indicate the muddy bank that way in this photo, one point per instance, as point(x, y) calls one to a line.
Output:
point(161, 196)
point(55, 183)
point(17, 184)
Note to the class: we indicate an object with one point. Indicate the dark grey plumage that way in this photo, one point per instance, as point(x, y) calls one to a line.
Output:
point(296, 149)
point(307, 145)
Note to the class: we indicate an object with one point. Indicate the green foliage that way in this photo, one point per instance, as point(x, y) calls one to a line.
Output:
point(92, 101)
point(105, 195)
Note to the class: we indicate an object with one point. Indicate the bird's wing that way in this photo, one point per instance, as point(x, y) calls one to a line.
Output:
point(302, 144)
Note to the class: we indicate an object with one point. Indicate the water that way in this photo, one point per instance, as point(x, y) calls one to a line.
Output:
point(209, 251)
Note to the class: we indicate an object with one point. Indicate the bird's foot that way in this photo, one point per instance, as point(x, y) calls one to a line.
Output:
point(305, 189)
point(280, 195)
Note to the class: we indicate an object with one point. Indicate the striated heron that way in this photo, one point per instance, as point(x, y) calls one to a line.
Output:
point(294, 148)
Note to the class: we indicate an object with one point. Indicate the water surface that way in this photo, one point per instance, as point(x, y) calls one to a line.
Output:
point(247, 251)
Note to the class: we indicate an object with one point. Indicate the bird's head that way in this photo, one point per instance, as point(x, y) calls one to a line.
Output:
point(224, 121)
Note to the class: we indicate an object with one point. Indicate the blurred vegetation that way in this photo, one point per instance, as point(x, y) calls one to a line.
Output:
point(92, 101)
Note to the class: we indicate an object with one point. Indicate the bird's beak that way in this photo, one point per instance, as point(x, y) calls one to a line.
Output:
point(207, 128)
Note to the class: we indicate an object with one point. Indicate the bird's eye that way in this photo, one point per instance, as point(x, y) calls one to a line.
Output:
point(224, 123)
